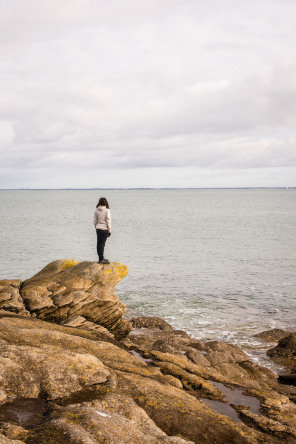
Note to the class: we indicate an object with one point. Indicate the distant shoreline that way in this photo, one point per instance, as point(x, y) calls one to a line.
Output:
point(147, 189)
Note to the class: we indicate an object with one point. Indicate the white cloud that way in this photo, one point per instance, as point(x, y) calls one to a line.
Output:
point(6, 133)
point(152, 84)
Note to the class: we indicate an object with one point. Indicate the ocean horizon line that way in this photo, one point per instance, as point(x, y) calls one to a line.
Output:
point(149, 188)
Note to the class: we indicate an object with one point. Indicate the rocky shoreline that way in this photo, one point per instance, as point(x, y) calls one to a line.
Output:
point(73, 370)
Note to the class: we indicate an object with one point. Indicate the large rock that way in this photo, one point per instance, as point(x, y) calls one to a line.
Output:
point(10, 299)
point(100, 392)
point(41, 359)
point(34, 361)
point(116, 419)
point(150, 322)
point(218, 361)
point(273, 335)
point(71, 381)
point(178, 413)
point(31, 372)
point(285, 351)
point(286, 347)
point(65, 289)
point(208, 370)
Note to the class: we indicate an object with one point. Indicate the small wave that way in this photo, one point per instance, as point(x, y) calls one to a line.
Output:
point(273, 310)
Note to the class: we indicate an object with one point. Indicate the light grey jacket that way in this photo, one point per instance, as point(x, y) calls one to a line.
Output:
point(102, 218)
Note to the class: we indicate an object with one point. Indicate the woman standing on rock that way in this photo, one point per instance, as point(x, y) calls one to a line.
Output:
point(102, 221)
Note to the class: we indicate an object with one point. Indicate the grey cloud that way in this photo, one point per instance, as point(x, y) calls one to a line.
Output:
point(92, 84)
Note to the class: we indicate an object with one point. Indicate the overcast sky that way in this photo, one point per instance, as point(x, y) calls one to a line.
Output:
point(147, 93)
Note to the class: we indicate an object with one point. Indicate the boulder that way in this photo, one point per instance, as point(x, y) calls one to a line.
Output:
point(231, 352)
point(37, 361)
point(65, 289)
point(286, 347)
point(273, 335)
point(81, 322)
point(10, 299)
point(198, 358)
point(116, 419)
point(150, 322)
point(27, 334)
point(285, 352)
point(279, 418)
point(176, 412)
point(279, 430)
point(160, 336)
point(31, 372)
point(216, 360)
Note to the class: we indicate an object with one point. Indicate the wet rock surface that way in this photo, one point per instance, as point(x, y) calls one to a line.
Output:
point(26, 412)
point(71, 373)
point(273, 335)
point(285, 354)
point(286, 349)
point(150, 322)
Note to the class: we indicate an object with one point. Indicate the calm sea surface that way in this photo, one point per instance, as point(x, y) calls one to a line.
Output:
point(216, 263)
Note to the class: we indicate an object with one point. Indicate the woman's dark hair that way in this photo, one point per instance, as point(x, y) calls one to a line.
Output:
point(103, 202)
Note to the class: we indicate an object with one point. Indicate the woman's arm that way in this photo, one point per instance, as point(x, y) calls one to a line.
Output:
point(108, 220)
point(95, 218)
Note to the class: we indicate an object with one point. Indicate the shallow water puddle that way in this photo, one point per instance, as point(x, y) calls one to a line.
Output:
point(233, 396)
point(138, 355)
point(223, 408)
point(26, 412)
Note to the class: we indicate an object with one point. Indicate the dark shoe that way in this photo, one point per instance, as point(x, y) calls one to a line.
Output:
point(104, 261)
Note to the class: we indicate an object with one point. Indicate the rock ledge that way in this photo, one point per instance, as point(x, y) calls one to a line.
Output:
point(73, 371)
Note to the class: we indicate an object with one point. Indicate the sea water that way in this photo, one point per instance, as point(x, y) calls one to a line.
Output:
point(218, 263)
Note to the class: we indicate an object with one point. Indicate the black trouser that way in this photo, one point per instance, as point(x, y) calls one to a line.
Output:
point(101, 240)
